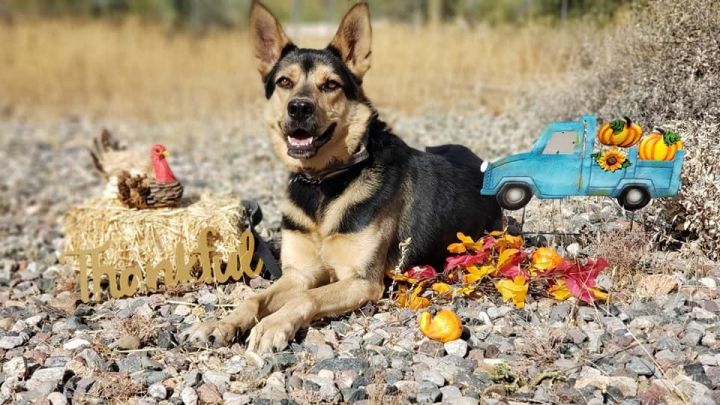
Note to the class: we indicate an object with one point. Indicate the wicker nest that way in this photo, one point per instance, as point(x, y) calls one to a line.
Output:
point(145, 237)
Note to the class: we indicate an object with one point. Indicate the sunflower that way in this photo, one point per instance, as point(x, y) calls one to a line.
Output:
point(612, 160)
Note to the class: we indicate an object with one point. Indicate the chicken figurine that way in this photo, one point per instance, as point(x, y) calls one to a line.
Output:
point(138, 182)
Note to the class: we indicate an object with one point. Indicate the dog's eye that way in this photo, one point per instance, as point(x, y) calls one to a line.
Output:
point(284, 82)
point(330, 85)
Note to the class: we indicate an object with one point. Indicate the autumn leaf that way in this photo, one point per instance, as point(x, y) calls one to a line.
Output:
point(477, 273)
point(441, 288)
point(401, 277)
point(599, 294)
point(581, 277)
point(466, 290)
point(412, 300)
point(546, 258)
point(509, 263)
point(559, 291)
point(421, 272)
point(515, 290)
point(466, 244)
point(507, 241)
point(466, 260)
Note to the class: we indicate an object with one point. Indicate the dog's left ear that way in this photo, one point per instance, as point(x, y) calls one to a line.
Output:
point(353, 39)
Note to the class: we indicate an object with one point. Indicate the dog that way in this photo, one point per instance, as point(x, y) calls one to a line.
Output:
point(355, 190)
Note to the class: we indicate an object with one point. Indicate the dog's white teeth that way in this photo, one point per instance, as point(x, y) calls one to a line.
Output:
point(301, 141)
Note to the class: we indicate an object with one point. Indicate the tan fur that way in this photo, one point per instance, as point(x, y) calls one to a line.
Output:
point(324, 272)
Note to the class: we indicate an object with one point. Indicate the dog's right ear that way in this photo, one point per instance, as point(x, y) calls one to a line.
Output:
point(268, 37)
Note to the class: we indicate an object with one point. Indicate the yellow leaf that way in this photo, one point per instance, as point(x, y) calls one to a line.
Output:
point(467, 290)
point(477, 273)
point(505, 256)
point(401, 277)
point(441, 288)
point(457, 248)
point(508, 241)
point(599, 294)
point(515, 290)
point(560, 291)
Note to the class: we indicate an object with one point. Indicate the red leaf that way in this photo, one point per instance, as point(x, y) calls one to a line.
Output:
point(582, 277)
point(453, 262)
point(421, 272)
point(513, 271)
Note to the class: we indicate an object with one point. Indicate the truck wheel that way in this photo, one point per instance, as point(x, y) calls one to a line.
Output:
point(513, 196)
point(633, 198)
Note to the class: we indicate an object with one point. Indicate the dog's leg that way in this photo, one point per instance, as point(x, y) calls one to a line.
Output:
point(274, 331)
point(301, 271)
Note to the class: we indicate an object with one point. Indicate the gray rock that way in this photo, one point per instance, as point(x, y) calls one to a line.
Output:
point(325, 387)
point(157, 391)
point(15, 367)
point(57, 398)
point(392, 376)
point(130, 364)
point(11, 342)
point(147, 378)
point(428, 392)
point(236, 399)
point(640, 366)
point(457, 347)
point(235, 364)
point(432, 376)
point(220, 379)
point(189, 396)
point(450, 393)
point(75, 344)
point(696, 371)
point(341, 363)
point(192, 377)
point(353, 395)
point(281, 361)
point(45, 380)
point(692, 337)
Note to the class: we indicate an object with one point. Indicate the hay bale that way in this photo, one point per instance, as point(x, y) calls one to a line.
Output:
point(145, 237)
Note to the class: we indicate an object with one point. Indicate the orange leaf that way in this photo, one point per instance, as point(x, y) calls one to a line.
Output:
point(546, 258)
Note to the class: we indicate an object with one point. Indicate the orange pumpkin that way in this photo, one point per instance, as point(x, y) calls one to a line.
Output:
point(445, 326)
point(660, 145)
point(623, 133)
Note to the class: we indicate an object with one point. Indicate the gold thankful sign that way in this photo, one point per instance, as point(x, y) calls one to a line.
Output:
point(128, 281)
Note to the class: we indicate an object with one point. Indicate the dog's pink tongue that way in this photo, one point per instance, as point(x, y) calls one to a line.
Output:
point(300, 141)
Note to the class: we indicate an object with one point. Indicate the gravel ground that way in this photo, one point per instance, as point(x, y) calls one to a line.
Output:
point(659, 349)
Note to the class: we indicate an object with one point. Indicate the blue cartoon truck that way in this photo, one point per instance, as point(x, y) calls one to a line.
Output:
point(562, 164)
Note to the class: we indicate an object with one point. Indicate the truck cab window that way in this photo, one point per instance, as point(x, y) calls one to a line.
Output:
point(561, 143)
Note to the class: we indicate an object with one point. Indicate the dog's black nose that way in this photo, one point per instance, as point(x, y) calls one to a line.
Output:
point(300, 109)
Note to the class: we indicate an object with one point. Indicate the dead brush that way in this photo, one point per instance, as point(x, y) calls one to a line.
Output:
point(139, 326)
point(117, 388)
point(540, 345)
point(627, 252)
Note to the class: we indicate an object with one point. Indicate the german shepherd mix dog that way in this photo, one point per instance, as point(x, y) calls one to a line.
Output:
point(355, 189)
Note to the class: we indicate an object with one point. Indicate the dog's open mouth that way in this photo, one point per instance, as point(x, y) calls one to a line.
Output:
point(302, 144)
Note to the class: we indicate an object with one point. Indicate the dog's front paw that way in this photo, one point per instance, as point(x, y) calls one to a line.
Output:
point(209, 333)
point(271, 334)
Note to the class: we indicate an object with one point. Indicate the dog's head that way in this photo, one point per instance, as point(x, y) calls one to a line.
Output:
point(317, 110)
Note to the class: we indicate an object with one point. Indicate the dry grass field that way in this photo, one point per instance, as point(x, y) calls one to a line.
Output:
point(131, 69)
